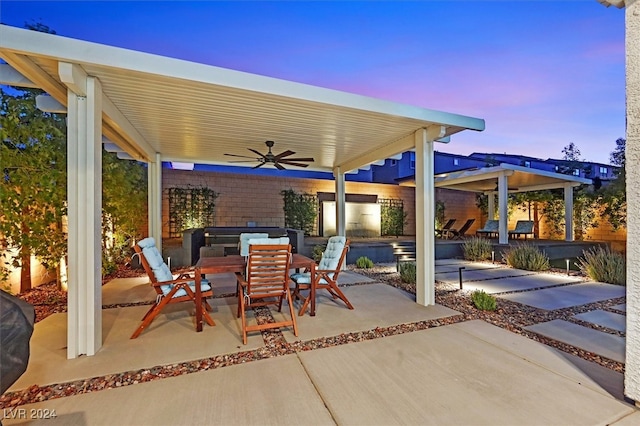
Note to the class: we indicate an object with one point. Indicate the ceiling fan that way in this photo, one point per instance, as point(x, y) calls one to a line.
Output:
point(276, 160)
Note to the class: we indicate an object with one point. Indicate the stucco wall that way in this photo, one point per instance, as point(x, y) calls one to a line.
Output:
point(632, 49)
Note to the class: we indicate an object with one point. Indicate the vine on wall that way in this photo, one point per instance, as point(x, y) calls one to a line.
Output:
point(190, 207)
point(300, 210)
point(392, 216)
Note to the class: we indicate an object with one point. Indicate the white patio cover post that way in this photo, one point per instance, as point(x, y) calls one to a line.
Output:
point(425, 214)
point(341, 215)
point(632, 49)
point(503, 198)
point(154, 195)
point(84, 192)
point(568, 212)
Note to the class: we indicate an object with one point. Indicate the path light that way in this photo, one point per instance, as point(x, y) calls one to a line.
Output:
point(493, 256)
point(460, 272)
point(567, 266)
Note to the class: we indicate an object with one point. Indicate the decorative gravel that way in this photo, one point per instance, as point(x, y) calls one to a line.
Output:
point(509, 315)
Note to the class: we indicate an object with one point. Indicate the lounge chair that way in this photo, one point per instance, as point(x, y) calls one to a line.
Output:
point(168, 290)
point(443, 232)
point(490, 229)
point(523, 227)
point(325, 275)
point(462, 232)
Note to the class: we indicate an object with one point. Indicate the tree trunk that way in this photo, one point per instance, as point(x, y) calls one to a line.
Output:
point(25, 270)
point(536, 221)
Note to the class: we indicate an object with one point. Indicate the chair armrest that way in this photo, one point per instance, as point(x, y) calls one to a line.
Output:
point(186, 280)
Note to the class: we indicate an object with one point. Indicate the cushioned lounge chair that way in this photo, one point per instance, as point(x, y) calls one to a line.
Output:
point(490, 229)
point(325, 275)
point(168, 289)
point(523, 227)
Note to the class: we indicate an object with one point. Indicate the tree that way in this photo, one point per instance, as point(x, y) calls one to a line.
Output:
point(124, 212)
point(533, 203)
point(33, 187)
point(572, 160)
point(614, 196)
point(618, 156)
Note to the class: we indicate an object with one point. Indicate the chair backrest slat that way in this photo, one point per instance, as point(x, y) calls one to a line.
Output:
point(267, 269)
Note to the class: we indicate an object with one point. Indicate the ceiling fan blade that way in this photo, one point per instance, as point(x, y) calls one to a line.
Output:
point(242, 161)
point(279, 166)
point(291, 163)
point(253, 150)
point(284, 154)
point(243, 156)
point(299, 159)
point(259, 165)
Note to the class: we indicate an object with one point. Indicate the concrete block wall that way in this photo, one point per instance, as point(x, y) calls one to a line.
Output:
point(248, 198)
point(460, 205)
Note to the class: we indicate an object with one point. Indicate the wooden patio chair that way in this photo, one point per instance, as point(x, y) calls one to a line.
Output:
point(441, 233)
point(462, 232)
point(490, 228)
point(168, 289)
point(266, 283)
point(325, 274)
point(523, 227)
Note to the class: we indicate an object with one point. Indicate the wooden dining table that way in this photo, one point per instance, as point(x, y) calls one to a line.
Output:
point(238, 264)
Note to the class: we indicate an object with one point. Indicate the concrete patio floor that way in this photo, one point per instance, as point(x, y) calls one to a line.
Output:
point(463, 373)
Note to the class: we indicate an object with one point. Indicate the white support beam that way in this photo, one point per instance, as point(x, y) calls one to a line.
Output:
point(568, 212)
point(548, 186)
point(12, 77)
point(126, 135)
point(47, 103)
point(74, 77)
point(425, 219)
point(84, 188)
point(503, 197)
point(341, 195)
point(401, 145)
point(37, 75)
point(154, 194)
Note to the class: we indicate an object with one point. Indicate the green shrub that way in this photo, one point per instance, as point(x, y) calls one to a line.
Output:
point(477, 248)
point(526, 256)
point(364, 262)
point(483, 301)
point(317, 252)
point(408, 272)
point(603, 265)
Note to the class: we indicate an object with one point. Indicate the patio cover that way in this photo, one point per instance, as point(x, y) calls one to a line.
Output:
point(156, 109)
point(507, 178)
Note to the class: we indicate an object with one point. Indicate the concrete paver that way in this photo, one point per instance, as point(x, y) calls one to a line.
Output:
point(567, 296)
point(255, 393)
point(605, 319)
point(598, 342)
point(621, 307)
point(478, 275)
point(447, 375)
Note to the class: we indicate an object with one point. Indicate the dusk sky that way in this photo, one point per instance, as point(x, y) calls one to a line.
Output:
point(541, 74)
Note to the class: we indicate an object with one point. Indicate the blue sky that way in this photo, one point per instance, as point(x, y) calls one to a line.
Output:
point(541, 73)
